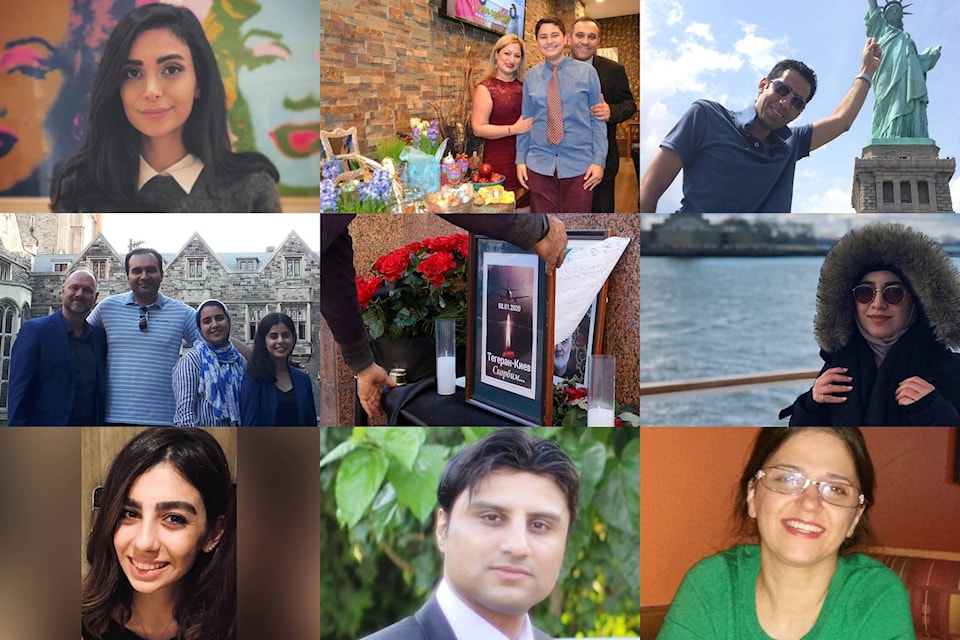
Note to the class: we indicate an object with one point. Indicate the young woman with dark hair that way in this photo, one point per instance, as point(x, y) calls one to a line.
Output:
point(273, 393)
point(162, 550)
point(157, 137)
point(887, 325)
point(802, 506)
point(206, 379)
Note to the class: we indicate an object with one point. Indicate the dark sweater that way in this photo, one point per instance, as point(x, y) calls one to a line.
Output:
point(247, 193)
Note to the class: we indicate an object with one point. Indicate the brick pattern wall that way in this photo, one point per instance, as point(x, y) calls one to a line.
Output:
point(383, 62)
point(623, 33)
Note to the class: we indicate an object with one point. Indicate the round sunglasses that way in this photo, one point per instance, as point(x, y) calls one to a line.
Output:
point(783, 90)
point(892, 293)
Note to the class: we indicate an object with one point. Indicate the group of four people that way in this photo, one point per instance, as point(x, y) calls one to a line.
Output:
point(119, 362)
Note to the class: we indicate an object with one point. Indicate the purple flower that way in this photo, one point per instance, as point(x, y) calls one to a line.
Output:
point(416, 136)
point(329, 193)
point(331, 169)
point(433, 132)
point(379, 186)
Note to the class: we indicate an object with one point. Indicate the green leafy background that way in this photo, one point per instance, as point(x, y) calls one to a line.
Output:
point(379, 561)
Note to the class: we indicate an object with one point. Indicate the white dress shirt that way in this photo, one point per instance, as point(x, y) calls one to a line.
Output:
point(467, 624)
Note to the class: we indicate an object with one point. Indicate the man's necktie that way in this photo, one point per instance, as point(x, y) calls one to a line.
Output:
point(554, 110)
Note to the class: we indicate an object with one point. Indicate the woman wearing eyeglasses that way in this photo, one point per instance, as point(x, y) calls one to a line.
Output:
point(888, 312)
point(804, 497)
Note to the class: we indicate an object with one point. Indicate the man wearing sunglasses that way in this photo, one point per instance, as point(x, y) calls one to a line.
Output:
point(145, 330)
point(743, 161)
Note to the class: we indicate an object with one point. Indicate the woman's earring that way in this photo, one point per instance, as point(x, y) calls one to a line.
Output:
point(211, 548)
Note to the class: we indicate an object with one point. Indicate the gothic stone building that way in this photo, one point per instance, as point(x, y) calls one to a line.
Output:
point(251, 284)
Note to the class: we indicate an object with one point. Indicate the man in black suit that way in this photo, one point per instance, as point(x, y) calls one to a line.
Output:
point(507, 503)
point(617, 104)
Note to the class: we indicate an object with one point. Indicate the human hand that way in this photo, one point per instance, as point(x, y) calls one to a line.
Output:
point(522, 125)
point(368, 388)
point(522, 175)
point(831, 382)
point(871, 57)
point(592, 177)
point(553, 246)
point(911, 390)
point(601, 110)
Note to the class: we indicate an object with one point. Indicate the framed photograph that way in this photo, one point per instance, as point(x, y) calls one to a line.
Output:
point(509, 332)
point(570, 353)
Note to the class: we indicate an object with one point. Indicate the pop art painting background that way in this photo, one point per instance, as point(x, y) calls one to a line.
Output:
point(267, 52)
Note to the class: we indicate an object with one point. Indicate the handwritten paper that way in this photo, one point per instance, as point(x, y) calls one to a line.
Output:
point(580, 279)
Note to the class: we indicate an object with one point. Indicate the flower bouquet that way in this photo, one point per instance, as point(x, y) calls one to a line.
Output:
point(372, 189)
point(570, 408)
point(413, 286)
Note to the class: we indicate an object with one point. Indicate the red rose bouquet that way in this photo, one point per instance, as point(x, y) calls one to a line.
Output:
point(413, 286)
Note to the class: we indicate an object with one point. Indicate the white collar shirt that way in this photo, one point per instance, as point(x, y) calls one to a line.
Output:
point(185, 171)
point(467, 624)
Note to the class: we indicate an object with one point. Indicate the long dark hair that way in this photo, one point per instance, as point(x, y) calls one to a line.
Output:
point(770, 439)
point(206, 609)
point(102, 174)
point(261, 366)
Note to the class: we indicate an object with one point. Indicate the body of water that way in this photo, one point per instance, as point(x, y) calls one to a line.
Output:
point(704, 317)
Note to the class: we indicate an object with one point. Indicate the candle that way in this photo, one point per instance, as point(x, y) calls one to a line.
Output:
point(599, 417)
point(446, 375)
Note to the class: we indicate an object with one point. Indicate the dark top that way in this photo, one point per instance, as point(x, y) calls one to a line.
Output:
point(501, 153)
point(616, 92)
point(85, 401)
point(286, 408)
point(114, 632)
point(254, 192)
point(260, 401)
point(872, 402)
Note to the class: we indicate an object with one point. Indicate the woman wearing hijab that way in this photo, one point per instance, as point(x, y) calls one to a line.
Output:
point(206, 380)
point(887, 318)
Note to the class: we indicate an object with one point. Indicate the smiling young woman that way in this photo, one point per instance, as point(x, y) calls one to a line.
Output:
point(274, 393)
point(156, 136)
point(886, 321)
point(803, 501)
point(162, 550)
point(206, 380)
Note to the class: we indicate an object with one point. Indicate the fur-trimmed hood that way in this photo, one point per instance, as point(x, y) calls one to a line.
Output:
point(933, 280)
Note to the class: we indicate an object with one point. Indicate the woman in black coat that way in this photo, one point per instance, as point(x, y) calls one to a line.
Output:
point(888, 314)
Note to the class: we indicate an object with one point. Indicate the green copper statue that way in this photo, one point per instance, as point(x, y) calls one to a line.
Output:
point(900, 87)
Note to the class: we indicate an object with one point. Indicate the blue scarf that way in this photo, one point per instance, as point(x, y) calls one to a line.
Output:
point(221, 371)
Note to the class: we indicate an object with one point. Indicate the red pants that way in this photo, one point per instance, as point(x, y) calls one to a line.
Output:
point(550, 194)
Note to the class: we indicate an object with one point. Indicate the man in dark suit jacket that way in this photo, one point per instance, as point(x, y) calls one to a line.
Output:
point(58, 366)
point(507, 503)
point(617, 105)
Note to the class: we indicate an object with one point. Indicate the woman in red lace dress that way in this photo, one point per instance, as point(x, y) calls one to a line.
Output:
point(496, 108)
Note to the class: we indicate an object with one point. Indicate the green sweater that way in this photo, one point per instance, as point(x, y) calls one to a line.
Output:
point(717, 601)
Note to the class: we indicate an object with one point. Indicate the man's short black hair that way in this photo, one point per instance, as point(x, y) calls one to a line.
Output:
point(138, 251)
point(512, 449)
point(795, 65)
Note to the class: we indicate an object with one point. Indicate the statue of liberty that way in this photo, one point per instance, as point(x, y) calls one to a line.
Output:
point(899, 84)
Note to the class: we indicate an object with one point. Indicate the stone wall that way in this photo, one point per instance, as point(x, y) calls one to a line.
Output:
point(245, 293)
point(383, 62)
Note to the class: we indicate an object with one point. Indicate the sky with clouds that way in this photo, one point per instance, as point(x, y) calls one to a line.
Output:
point(691, 49)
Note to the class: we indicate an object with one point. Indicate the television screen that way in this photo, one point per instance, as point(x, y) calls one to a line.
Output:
point(499, 16)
